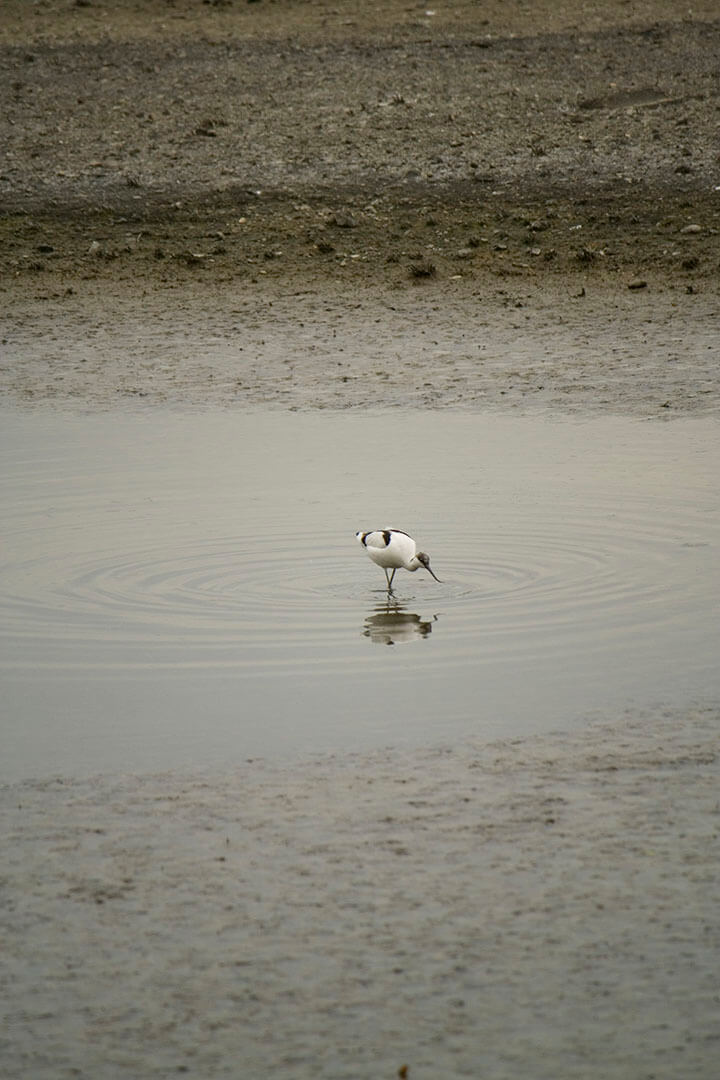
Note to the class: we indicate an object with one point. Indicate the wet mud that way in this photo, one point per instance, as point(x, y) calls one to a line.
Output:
point(544, 180)
point(542, 906)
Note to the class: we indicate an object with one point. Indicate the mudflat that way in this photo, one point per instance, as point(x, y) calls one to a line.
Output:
point(544, 906)
point(536, 187)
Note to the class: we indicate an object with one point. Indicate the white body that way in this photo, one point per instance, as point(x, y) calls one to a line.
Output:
point(393, 550)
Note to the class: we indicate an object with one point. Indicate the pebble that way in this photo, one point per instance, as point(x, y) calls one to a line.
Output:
point(692, 229)
point(343, 220)
point(638, 283)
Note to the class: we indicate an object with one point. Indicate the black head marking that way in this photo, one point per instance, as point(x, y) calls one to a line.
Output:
point(425, 560)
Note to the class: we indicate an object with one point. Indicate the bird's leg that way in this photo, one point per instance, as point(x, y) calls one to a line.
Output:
point(390, 579)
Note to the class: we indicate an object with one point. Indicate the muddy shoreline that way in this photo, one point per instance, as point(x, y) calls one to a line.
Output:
point(516, 346)
point(198, 201)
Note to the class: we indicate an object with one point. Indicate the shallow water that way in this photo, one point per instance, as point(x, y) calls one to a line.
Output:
point(188, 588)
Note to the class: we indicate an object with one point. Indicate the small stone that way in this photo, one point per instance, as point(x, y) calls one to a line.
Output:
point(342, 220)
point(638, 283)
point(690, 229)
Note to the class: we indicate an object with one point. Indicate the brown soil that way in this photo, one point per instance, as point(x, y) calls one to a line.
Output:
point(188, 159)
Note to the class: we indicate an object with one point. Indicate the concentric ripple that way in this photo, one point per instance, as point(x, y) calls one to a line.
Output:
point(193, 601)
point(525, 587)
point(597, 577)
point(137, 568)
point(193, 584)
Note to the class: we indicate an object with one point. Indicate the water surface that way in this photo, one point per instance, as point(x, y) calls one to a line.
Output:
point(188, 588)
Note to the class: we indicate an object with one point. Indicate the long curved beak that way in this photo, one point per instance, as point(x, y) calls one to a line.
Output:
point(433, 574)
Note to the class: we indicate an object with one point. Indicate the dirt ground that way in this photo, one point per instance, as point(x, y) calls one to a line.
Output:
point(179, 178)
point(341, 205)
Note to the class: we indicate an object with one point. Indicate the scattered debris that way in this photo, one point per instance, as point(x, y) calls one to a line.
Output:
point(423, 269)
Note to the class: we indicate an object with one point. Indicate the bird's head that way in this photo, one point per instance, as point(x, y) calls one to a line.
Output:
point(424, 560)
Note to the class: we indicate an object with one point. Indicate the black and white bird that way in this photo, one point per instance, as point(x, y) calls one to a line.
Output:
point(393, 550)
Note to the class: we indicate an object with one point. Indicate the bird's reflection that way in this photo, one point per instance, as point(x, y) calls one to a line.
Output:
point(391, 624)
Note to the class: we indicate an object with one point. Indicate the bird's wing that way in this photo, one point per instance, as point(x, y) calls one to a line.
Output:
point(380, 538)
